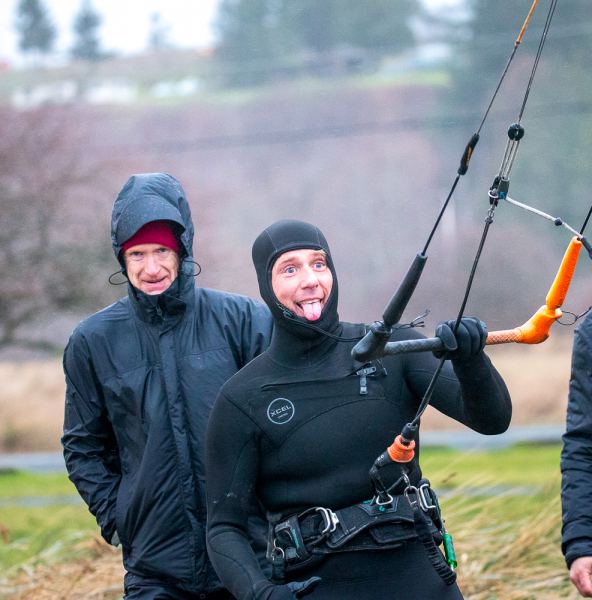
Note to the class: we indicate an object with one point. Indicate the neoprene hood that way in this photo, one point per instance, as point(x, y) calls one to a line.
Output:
point(278, 238)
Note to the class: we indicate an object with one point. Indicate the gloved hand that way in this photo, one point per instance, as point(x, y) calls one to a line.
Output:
point(289, 591)
point(302, 588)
point(468, 341)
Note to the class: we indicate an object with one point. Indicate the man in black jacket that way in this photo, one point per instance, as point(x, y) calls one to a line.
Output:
point(576, 464)
point(141, 377)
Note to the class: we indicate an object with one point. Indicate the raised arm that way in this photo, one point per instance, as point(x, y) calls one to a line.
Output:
point(469, 389)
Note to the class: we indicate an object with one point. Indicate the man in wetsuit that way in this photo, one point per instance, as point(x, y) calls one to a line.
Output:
point(300, 427)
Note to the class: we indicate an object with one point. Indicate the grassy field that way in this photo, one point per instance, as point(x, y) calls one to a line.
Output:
point(32, 394)
point(501, 507)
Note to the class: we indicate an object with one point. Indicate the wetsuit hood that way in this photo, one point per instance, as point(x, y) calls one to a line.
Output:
point(274, 241)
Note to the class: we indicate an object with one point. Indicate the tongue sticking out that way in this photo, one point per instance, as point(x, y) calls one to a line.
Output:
point(312, 310)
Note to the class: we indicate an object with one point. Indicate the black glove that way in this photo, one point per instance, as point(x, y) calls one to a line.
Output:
point(302, 588)
point(289, 591)
point(468, 341)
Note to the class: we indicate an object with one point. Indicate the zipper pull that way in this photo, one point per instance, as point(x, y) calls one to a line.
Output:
point(363, 379)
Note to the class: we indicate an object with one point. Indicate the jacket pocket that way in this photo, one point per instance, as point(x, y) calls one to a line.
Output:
point(121, 507)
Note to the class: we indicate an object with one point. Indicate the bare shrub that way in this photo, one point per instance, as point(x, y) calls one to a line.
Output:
point(40, 164)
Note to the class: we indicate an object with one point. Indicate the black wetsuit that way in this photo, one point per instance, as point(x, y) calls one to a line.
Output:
point(296, 429)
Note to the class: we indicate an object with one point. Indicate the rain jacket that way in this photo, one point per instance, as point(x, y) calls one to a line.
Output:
point(141, 377)
point(576, 456)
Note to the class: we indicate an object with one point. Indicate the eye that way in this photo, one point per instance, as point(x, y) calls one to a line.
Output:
point(163, 251)
point(319, 265)
point(290, 270)
point(134, 255)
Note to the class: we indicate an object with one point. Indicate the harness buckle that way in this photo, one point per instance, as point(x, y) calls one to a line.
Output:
point(277, 552)
point(424, 497)
point(330, 519)
point(383, 501)
point(409, 491)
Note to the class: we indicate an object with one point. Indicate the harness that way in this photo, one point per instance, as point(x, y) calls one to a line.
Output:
point(375, 524)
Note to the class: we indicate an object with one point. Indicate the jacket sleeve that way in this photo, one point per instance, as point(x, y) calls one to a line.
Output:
point(89, 445)
point(470, 391)
point(576, 455)
point(232, 458)
point(255, 328)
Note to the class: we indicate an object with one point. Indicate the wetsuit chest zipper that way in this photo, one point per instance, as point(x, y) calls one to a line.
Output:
point(363, 374)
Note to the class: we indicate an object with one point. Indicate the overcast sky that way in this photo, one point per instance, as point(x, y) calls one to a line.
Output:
point(125, 25)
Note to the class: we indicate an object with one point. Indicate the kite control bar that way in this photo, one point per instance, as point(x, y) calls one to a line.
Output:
point(534, 331)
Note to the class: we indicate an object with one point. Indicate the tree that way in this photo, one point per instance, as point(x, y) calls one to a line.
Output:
point(248, 41)
point(158, 34)
point(267, 39)
point(43, 267)
point(37, 34)
point(558, 95)
point(375, 24)
point(491, 30)
point(87, 45)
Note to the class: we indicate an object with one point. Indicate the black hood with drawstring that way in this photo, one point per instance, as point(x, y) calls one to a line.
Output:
point(151, 197)
point(144, 198)
point(141, 378)
point(293, 335)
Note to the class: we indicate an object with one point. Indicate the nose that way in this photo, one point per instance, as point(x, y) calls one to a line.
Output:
point(309, 278)
point(151, 264)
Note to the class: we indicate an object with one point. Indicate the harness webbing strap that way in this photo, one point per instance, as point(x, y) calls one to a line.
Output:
point(306, 536)
point(425, 536)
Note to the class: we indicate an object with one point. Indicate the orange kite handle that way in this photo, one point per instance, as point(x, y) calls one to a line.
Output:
point(558, 290)
point(537, 328)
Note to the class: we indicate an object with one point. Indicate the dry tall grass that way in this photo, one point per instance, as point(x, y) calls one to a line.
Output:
point(97, 574)
point(31, 405)
point(32, 393)
point(514, 560)
point(519, 559)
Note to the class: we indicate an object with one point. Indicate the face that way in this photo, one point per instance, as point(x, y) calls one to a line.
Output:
point(302, 282)
point(151, 268)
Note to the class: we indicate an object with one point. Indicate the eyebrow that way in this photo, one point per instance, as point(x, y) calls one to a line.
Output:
point(284, 261)
point(289, 259)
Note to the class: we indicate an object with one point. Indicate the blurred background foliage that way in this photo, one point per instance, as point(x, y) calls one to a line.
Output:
point(351, 115)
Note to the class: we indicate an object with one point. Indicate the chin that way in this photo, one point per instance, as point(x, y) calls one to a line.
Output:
point(155, 291)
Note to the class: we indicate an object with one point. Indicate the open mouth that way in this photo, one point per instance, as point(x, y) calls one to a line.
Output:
point(311, 308)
